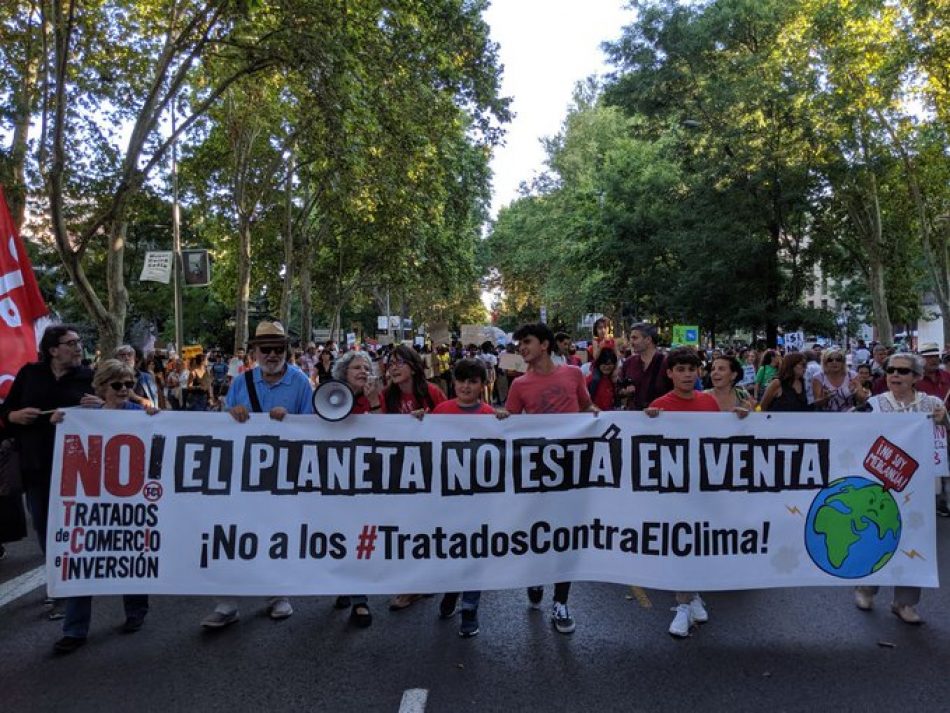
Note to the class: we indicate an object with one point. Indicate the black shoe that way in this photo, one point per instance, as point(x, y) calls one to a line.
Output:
point(342, 602)
point(447, 605)
point(469, 626)
point(360, 616)
point(68, 644)
point(535, 596)
point(132, 624)
point(943, 510)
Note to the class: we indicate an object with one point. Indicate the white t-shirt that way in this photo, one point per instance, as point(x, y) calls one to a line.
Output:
point(812, 371)
point(234, 367)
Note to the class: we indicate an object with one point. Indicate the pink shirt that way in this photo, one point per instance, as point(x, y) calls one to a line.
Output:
point(561, 391)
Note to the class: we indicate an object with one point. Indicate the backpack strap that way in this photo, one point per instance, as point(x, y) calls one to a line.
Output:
point(252, 391)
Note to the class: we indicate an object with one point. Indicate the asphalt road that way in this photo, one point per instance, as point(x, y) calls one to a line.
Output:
point(776, 650)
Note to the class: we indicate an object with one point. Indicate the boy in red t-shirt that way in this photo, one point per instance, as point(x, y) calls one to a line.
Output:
point(470, 377)
point(682, 367)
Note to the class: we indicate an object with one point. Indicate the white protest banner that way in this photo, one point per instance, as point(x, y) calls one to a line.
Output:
point(794, 341)
point(157, 267)
point(194, 503)
point(511, 361)
point(748, 374)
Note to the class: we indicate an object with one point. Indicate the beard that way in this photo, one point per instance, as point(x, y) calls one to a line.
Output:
point(270, 368)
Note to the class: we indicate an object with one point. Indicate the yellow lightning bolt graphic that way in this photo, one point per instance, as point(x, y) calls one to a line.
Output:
point(913, 553)
point(907, 497)
point(793, 509)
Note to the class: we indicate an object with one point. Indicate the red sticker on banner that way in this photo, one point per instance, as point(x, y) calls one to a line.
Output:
point(892, 465)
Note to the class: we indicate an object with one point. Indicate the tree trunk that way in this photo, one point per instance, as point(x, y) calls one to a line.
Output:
point(289, 255)
point(112, 330)
point(882, 318)
point(243, 284)
point(304, 283)
point(24, 95)
point(335, 329)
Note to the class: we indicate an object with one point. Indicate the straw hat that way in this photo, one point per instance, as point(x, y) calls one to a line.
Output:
point(268, 332)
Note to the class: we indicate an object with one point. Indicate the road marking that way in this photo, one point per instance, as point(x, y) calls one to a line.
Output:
point(642, 599)
point(413, 700)
point(24, 584)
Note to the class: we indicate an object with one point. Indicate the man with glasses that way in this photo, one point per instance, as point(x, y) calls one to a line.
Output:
point(58, 380)
point(145, 393)
point(275, 388)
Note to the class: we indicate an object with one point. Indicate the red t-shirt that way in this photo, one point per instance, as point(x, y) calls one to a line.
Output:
point(361, 405)
point(561, 391)
point(604, 395)
point(408, 403)
point(452, 407)
point(938, 386)
point(700, 402)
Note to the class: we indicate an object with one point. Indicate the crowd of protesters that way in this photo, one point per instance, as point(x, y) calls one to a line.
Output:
point(546, 372)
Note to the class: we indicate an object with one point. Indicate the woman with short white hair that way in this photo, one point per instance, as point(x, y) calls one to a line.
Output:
point(902, 371)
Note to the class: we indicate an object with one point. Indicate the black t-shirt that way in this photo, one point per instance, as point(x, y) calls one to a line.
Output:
point(36, 386)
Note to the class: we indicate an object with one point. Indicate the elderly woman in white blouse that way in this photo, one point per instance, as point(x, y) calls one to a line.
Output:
point(902, 372)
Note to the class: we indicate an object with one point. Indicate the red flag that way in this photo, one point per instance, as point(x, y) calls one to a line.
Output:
point(21, 303)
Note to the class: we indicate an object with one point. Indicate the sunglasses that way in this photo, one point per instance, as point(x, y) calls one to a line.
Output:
point(902, 370)
point(271, 350)
point(119, 385)
point(829, 359)
point(72, 343)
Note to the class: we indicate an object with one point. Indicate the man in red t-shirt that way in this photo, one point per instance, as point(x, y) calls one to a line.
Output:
point(682, 368)
point(548, 388)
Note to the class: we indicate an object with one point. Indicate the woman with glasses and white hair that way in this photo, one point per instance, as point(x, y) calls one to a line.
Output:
point(355, 369)
point(902, 372)
point(837, 388)
point(113, 383)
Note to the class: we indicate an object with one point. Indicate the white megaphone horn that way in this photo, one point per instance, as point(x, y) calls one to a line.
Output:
point(333, 401)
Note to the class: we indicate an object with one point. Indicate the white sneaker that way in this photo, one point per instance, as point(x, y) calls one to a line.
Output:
point(682, 621)
point(697, 610)
point(219, 619)
point(280, 608)
point(863, 599)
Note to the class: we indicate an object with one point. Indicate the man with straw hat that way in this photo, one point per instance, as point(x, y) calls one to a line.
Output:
point(275, 388)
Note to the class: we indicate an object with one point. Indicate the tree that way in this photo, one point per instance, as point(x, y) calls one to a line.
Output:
point(90, 82)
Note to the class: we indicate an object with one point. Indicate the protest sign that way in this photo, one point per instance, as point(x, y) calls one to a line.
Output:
point(685, 335)
point(196, 503)
point(157, 266)
point(511, 361)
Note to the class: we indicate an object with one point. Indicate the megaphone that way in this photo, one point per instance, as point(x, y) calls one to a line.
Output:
point(333, 401)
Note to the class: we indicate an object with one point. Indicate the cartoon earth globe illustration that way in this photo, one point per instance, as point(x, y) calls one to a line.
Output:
point(853, 528)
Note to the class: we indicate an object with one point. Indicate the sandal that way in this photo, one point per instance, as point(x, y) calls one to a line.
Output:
point(361, 616)
point(402, 601)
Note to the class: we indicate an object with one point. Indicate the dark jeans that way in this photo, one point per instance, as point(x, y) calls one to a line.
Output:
point(37, 500)
point(562, 590)
point(79, 613)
